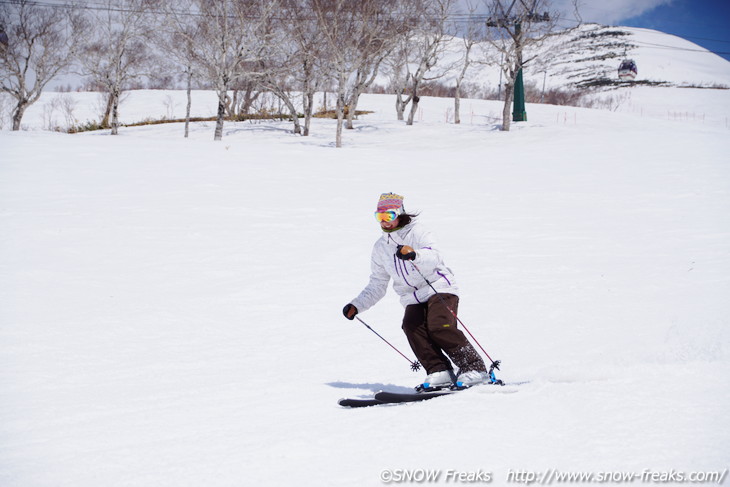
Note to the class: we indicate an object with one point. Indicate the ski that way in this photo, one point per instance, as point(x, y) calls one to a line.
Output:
point(391, 397)
point(399, 397)
point(358, 403)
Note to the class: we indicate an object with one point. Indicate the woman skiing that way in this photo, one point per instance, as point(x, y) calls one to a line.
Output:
point(407, 254)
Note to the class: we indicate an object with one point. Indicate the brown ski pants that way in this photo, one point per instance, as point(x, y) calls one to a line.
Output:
point(434, 338)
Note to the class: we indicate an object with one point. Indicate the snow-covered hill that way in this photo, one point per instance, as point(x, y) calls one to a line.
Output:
point(590, 53)
point(581, 56)
point(586, 59)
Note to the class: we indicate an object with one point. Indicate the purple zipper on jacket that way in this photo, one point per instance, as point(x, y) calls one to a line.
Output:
point(402, 270)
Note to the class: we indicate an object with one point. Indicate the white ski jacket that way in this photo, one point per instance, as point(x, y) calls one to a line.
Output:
point(407, 281)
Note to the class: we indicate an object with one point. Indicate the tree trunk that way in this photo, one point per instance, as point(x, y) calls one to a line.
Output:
point(351, 110)
point(293, 110)
point(190, 102)
point(414, 107)
point(18, 114)
point(107, 112)
point(509, 91)
point(308, 105)
point(340, 110)
point(307, 96)
point(249, 97)
point(365, 77)
point(115, 112)
point(233, 107)
point(221, 115)
point(459, 80)
point(352, 102)
point(400, 106)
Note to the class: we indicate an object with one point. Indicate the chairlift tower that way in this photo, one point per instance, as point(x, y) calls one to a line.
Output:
point(519, 113)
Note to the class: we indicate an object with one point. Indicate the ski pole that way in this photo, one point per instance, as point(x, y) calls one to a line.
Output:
point(496, 363)
point(415, 365)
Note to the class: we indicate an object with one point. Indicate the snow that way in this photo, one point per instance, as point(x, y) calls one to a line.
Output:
point(660, 57)
point(171, 308)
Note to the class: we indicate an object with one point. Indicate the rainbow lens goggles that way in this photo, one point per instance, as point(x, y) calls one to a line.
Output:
point(386, 216)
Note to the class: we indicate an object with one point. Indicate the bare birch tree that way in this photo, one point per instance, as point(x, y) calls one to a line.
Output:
point(399, 74)
point(231, 33)
point(349, 28)
point(385, 23)
point(422, 44)
point(515, 25)
point(38, 44)
point(306, 44)
point(471, 32)
point(274, 73)
point(117, 51)
point(278, 68)
point(176, 37)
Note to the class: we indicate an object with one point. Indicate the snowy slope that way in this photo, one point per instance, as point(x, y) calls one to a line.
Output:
point(592, 51)
point(588, 52)
point(170, 308)
point(587, 58)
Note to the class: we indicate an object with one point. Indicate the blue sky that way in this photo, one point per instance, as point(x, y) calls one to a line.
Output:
point(704, 22)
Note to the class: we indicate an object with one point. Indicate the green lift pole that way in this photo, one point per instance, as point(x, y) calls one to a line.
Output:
point(519, 113)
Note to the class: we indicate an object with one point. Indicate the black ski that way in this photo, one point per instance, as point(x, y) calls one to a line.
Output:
point(387, 397)
point(398, 397)
point(390, 397)
point(358, 403)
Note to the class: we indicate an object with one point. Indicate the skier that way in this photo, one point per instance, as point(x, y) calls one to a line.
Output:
point(407, 254)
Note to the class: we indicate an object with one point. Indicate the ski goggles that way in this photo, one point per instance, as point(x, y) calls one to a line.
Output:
point(386, 216)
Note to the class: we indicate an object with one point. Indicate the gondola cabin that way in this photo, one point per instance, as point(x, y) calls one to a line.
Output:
point(627, 70)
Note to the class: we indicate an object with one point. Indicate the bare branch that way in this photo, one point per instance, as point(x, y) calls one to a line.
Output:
point(37, 44)
point(512, 26)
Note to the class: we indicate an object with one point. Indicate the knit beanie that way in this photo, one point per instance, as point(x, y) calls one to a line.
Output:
point(390, 201)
